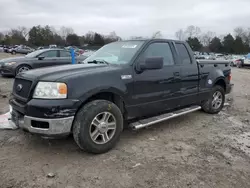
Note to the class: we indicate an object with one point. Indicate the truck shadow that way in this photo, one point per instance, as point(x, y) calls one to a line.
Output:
point(67, 146)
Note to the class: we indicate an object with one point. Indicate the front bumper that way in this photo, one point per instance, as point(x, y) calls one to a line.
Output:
point(46, 127)
point(6, 71)
point(50, 118)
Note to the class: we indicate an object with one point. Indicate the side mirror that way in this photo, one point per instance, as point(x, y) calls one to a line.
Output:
point(152, 63)
point(41, 57)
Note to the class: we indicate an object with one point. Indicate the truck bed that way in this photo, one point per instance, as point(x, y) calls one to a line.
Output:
point(207, 65)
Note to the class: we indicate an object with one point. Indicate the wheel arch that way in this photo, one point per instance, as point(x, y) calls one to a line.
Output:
point(23, 64)
point(221, 82)
point(109, 95)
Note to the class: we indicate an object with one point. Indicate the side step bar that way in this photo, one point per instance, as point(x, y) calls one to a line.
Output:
point(157, 119)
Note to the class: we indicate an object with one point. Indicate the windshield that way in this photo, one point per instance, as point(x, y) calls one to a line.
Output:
point(34, 54)
point(116, 53)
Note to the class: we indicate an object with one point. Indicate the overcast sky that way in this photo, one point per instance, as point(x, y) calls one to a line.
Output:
point(127, 17)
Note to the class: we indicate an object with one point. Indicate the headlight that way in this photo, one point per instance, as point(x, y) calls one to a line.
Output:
point(10, 63)
point(50, 90)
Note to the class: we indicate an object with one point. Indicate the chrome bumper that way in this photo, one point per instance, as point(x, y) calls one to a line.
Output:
point(61, 126)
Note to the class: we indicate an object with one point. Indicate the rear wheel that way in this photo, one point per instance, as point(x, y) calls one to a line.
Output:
point(22, 68)
point(97, 126)
point(239, 65)
point(216, 100)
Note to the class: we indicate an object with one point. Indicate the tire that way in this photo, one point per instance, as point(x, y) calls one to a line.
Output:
point(209, 106)
point(239, 65)
point(13, 52)
point(84, 127)
point(22, 68)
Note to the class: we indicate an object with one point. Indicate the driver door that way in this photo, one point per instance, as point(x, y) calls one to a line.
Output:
point(48, 58)
point(157, 90)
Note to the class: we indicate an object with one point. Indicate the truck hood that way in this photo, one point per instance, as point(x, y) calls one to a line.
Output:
point(57, 72)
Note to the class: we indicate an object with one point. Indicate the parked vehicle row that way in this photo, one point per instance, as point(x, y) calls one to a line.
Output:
point(235, 60)
point(37, 59)
point(22, 49)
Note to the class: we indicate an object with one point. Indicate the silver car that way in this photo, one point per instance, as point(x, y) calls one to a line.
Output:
point(21, 50)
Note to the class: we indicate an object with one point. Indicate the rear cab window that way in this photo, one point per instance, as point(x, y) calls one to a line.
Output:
point(183, 53)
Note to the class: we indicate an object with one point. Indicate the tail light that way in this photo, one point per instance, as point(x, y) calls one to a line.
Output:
point(230, 77)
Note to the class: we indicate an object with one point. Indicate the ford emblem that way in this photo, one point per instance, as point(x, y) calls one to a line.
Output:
point(19, 87)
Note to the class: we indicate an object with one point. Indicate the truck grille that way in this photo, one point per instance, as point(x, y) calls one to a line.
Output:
point(22, 87)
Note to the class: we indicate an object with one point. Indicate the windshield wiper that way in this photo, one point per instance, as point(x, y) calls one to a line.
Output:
point(99, 61)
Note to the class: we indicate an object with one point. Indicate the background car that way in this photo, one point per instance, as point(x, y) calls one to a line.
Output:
point(6, 48)
point(21, 50)
point(77, 50)
point(83, 56)
point(36, 59)
point(235, 59)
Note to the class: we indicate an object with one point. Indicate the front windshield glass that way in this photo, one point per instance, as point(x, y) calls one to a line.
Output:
point(116, 52)
point(34, 54)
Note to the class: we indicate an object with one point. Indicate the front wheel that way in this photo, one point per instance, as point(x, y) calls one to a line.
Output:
point(13, 52)
point(216, 100)
point(97, 126)
point(22, 68)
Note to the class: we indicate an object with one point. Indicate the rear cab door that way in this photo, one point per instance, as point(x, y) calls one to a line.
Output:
point(189, 74)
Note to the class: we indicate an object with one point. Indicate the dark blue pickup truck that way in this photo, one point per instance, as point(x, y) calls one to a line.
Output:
point(140, 82)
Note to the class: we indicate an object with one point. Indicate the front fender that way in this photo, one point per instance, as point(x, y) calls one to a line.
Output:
point(122, 92)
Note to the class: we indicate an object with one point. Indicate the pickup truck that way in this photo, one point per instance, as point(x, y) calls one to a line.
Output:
point(136, 83)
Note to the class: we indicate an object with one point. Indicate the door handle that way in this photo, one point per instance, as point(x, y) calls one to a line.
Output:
point(176, 74)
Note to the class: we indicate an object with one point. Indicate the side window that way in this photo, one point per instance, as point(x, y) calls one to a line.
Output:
point(160, 50)
point(183, 53)
point(64, 54)
point(52, 53)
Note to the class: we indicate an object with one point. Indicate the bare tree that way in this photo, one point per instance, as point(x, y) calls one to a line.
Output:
point(89, 37)
point(244, 34)
point(180, 34)
point(193, 31)
point(207, 37)
point(190, 31)
point(65, 31)
point(197, 32)
point(157, 34)
point(24, 31)
point(239, 31)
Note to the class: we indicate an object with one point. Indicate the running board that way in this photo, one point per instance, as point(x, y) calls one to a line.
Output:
point(157, 119)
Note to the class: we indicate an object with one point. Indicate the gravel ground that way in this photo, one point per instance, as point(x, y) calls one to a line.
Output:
point(195, 150)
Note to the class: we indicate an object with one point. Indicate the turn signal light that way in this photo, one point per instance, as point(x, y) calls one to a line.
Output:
point(62, 88)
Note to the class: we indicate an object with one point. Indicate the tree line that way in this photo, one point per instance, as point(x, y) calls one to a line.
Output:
point(236, 43)
point(47, 35)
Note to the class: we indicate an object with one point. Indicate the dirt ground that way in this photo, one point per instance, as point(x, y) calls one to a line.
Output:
point(196, 150)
